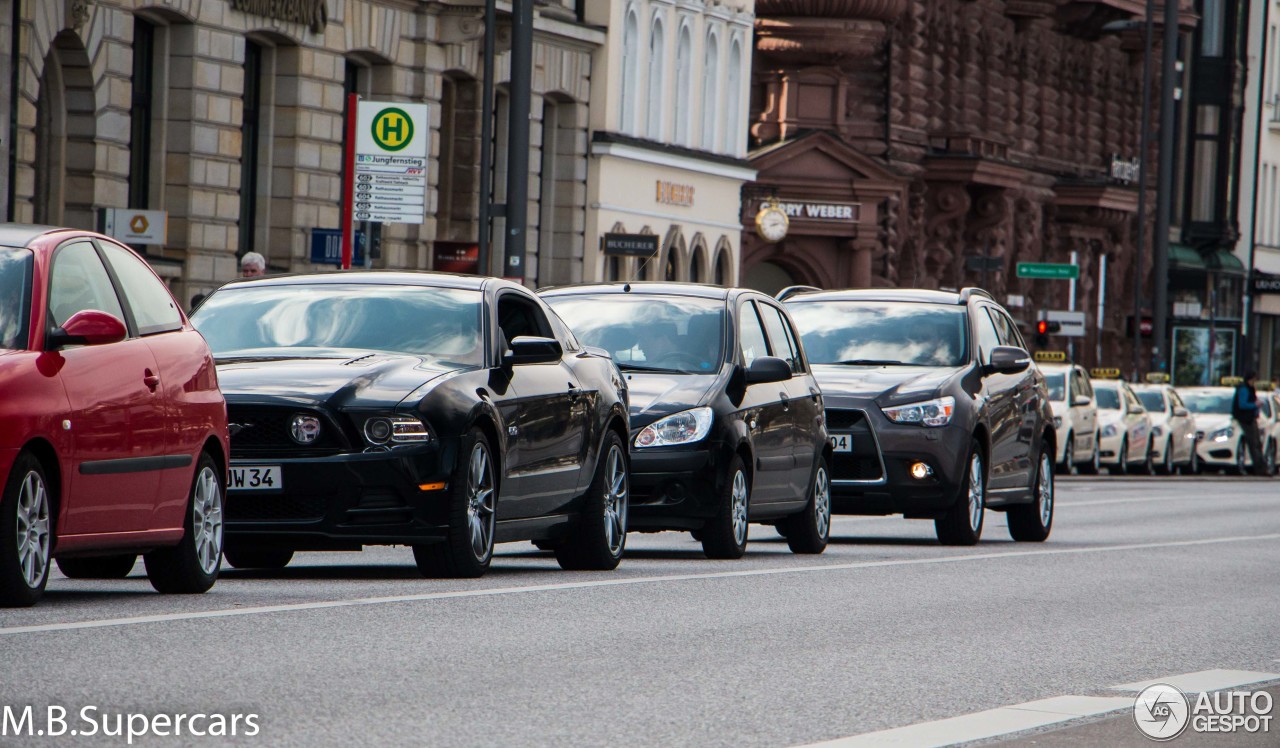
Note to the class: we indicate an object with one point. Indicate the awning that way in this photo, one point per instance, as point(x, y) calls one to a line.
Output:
point(1182, 257)
point(1224, 261)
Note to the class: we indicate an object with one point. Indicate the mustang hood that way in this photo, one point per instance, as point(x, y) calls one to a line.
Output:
point(656, 395)
point(373, 379)
point(896, 384)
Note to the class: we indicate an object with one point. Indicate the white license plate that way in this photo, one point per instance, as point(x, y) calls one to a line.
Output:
point(842, 442)
point(256, 478)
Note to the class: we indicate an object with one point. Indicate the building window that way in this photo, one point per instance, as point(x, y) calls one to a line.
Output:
point(459, 159)
point(657, 79)
point(141, 113)
point(696, 273)
point(1204, 167)
point(722, 266)
point(250, 145)
point(630, 72)
point(1211, 28)
point(710, 90)
point(733, 115)
point(684, 87)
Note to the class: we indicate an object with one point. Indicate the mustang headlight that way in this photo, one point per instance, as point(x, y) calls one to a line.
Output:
point(929, 413)
point(685, 427)
point(1222, 435)
point(396, 430)
point(1110, 430)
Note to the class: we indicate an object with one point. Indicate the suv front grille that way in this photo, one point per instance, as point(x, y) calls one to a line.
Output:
point(264, 431)
point(863, 462)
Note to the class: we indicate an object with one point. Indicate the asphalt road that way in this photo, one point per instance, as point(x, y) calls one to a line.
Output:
point(1141, 579)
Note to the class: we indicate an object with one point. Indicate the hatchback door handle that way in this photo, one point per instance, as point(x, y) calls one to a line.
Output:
point(150, 380)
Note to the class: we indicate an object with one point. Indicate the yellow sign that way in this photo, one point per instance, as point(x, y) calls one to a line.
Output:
point(1231, 381)
point(1051, 356)
point(139, 224)
point(670, 193)
point(1104, 373)
point(392, 129)
point(1157, 377)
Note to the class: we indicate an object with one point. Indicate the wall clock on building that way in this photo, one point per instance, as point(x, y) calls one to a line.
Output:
point(772, 222)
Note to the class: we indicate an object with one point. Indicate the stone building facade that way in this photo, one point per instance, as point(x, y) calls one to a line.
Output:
point(956, 129)
point(228, 115)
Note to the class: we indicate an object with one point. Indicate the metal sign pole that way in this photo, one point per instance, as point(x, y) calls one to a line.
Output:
point(485, 230)
point(349, 182)
point(521, 84)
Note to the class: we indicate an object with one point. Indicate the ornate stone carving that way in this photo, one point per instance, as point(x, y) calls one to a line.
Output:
point(77, 13)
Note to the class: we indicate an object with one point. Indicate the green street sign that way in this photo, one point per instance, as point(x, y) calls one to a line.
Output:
point(1058, 271)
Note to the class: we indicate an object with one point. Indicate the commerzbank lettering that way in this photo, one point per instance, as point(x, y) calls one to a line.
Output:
point(310, 13)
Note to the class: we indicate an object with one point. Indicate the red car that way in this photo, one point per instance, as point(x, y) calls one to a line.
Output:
point(113, 434)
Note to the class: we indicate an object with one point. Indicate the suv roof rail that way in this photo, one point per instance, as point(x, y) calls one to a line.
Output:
point(968, 293)
point(790, 291)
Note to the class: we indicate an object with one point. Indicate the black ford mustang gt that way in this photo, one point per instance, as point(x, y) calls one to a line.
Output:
point(437, 411)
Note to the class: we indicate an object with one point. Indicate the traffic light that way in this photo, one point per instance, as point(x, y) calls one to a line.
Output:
point(1045, 328)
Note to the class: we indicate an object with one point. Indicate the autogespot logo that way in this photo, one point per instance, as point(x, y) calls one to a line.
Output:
point(1161, 712)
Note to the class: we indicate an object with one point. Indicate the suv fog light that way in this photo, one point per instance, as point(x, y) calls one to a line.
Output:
point(920, 470)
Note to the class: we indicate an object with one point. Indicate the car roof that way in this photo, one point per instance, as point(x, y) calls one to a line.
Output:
point(1056, 367)
point(375, 277)
point(916, 295)
point(22, 234)
point(656, 288)
point(1206, 388)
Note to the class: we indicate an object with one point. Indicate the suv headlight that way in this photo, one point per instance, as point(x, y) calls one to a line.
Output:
point(928, 413)
point(380, 430)
point(685, 427)
point(1221, 435)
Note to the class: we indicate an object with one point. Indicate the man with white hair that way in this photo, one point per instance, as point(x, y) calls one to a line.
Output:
point(252, 265)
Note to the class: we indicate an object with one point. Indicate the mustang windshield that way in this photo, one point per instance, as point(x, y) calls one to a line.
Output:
point(906, 334)
point(310, 319)
point(648, 332)
point(15, 297)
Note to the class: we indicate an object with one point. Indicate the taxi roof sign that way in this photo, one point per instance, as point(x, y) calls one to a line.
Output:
point(1157, 377)
point(1231, 381)
point(1051, 357)
point(1104, 373)
point(1265, 386)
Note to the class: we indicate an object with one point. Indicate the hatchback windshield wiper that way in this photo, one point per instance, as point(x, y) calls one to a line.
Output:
point(871, 362)
point(628, 366)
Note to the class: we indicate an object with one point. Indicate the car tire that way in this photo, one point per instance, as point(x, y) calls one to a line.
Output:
point(1271, 459)
point(1094, 465)
point(599, 538)
point(1068, 456)
point(1242, 467)
point(191, 567)
point(98, 567)
point(962, 524)
point(1031, 523)
point(725, 535)
point(1193, 466)
point(781, 527)
point(1166, 465)
point(808, 531)
point(1149, 461)
point(473, 506)
point(25, 507)
point(1122, 465)
point(545, 545)
point(268, 558)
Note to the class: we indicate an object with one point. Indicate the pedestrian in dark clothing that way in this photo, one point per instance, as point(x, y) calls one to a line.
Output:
point(1244, 408)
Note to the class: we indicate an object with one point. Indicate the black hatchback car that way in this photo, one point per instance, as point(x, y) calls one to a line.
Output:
point(726, 418)
point(437, 411)
point(934, 407)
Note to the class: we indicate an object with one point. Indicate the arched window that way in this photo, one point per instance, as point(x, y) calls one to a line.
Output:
point(630, 71)
point(723, 262)
point(733, 117)
point(710, 89)
point(696, 272)
point(684, 87)
point(657, 78)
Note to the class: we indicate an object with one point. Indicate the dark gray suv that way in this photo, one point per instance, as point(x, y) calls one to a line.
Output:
point(934, 408)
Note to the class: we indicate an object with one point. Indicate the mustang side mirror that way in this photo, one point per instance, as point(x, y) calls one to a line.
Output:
point(528, 349)
point(768, 369)
point(90, 327)
point(1008, 359)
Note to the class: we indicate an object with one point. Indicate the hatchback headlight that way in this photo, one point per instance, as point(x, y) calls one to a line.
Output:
point(1222, 435)
point(685, 427)
point(1110, 430)
point(929, 413)
point(395, 430)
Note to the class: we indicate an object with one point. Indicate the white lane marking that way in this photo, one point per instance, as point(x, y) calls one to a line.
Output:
point(625, 581)
point(981, 725)
point(1205, 681)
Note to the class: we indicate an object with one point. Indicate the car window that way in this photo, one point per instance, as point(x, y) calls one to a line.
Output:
point(1107, 398)
point(780, 341)
point(15, 297)
point(1053, 382)
point(1076, 389)
point(1176, 399)
point(751, 340)
point(563, 332)
point(1265, 406)
point(1131, 399)
point(153, 307)
point(1152, 400)
point(79, 281)
point(1005, 328)
point(988, 337)
point(518, 317)
point(1086, 385)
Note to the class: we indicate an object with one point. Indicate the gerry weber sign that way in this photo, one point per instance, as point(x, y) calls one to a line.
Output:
point(829, 212)
point(309, 13)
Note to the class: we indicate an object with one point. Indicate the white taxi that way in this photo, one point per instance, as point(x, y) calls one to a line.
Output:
point(1219, 440)
point(1173, 428)
point(1075, 417)
point(1124, 427)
